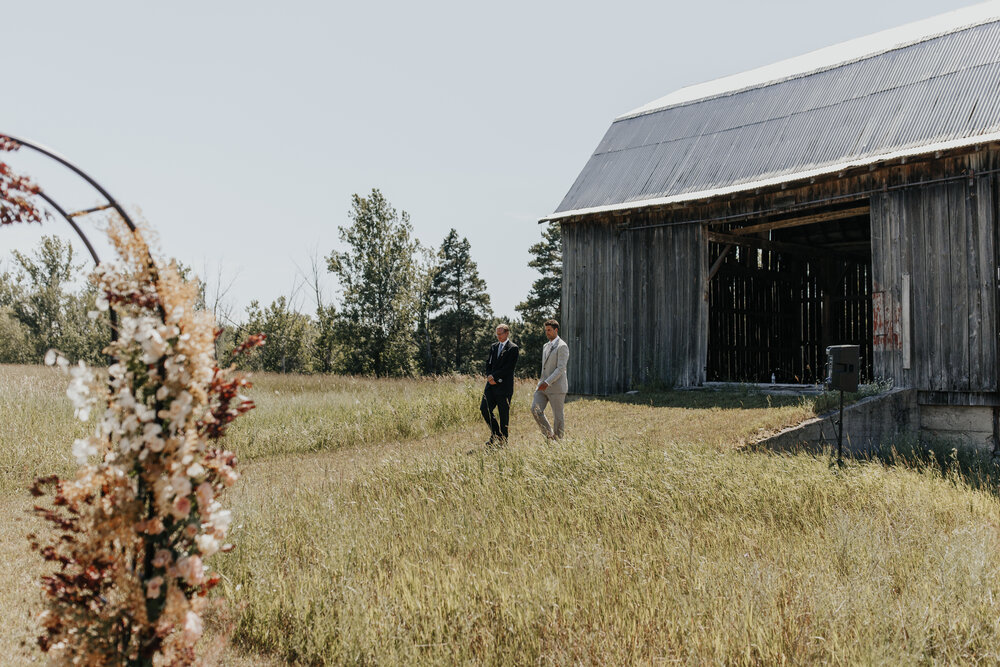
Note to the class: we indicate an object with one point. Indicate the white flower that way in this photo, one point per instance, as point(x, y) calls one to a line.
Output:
point(191, 570)
point(222, 519)
point(50, 357)
point(83, 449)
point(153, 347)
point(207, 544)
point(144, 413)
point(181, 485)
point(102, 302)
point(192, 627)
point(79, 391)
point(151, 432)
point(228, 476)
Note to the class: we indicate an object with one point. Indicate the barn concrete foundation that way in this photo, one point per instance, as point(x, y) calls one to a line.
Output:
point(897, 419)
point(870, 424)
point(971, 425)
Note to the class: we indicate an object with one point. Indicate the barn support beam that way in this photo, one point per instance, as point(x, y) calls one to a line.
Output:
point(777, 246)
point(718, 263)
point(805, 220)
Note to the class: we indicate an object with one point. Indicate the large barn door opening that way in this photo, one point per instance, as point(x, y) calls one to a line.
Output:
point(782, 289)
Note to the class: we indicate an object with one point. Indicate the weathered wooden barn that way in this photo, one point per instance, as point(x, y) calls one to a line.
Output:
point(733, 230)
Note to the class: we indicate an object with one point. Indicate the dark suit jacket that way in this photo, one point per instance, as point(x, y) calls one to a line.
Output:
point(502, 368)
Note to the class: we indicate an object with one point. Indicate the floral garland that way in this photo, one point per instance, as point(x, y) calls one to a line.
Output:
point(132, 530)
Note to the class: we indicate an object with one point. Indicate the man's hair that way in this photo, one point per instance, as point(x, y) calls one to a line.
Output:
point(503, 327)
point(552, 323)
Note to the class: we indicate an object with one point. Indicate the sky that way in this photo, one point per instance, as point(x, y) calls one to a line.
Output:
point(240, 130)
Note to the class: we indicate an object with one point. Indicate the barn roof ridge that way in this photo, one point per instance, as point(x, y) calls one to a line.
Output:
point(826, 58)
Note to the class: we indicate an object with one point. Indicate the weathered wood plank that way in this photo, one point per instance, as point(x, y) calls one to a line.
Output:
point(986, 220)
point(955, 286)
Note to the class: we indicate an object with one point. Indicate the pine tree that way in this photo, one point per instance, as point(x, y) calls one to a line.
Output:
point(459, 302)
point(427, 267)
point(545, 298)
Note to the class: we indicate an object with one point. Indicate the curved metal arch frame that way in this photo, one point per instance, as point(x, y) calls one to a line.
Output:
point(112, 203)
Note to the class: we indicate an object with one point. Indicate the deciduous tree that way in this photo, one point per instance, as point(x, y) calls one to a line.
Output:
point(377, 275)
point(289, 338)
point(51, 315)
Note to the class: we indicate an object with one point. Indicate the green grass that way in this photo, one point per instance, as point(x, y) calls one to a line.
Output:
point(37, 426)
point(367, 533)
point(299, 414)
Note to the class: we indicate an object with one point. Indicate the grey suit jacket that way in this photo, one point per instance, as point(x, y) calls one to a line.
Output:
point(554, 364)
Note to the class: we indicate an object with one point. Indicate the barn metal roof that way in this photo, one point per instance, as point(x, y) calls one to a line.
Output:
point(936, 92)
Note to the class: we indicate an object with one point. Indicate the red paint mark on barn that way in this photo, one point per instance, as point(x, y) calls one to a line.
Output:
point(886, 318)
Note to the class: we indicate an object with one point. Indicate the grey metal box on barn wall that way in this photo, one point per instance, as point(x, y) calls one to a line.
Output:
point(842, 365)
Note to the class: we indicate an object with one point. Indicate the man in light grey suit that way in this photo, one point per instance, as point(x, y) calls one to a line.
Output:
point(553, 386)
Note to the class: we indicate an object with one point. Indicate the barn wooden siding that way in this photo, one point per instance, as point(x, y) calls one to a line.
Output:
point(634, 310)
point(942, 235)
point(634, 283)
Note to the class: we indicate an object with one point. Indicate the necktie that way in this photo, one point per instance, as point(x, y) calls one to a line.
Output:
point(499, 350)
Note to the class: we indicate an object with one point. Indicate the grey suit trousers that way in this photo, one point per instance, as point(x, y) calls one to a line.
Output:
point(538, 403)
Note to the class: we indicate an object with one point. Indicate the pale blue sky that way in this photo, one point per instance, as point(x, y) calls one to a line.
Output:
point(241, 129)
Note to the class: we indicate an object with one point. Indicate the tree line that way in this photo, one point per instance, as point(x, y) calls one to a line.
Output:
point(405, 309)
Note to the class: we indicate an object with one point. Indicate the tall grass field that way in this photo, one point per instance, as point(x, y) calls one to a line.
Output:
point(373, 527)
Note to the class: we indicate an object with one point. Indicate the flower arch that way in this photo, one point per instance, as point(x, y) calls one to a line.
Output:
point(129, 534)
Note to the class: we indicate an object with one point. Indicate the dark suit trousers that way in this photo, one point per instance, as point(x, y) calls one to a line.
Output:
point(501, 402)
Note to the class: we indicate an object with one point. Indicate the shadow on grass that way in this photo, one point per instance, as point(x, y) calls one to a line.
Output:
point(746, 397)
point(976, 468)
point(749, 399)
point(960, 462)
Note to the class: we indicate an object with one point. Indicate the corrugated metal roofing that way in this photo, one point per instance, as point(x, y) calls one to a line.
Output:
point(940, 91)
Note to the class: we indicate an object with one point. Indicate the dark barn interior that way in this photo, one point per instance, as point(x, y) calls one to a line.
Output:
point(784, 288)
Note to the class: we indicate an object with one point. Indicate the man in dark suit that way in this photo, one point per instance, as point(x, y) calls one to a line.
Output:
point(499, 385)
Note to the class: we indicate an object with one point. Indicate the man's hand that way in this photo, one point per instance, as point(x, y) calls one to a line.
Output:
point(489, 378)
point(543, 386)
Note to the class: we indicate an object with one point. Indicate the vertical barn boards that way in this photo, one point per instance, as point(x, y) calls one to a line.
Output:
point(936, 223)
point(633, 305)
point(634, 310)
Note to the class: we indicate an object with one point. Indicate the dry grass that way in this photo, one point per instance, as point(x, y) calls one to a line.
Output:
point(644, 537)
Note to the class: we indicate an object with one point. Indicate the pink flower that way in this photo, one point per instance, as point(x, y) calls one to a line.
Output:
point(191, 570)
point(205, 496)
point(228, 476)
point(162, 558)
point(182, 506)
point(153, 587)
